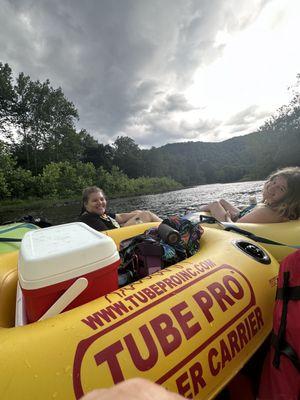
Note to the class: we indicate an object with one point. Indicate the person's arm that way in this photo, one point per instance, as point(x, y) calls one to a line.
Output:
point(262, 215)
point(122, 218)
point(133, 389)
point(222, 210)
point(232, 210)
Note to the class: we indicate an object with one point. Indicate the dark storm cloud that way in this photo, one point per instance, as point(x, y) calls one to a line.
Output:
point(243, 117)
point(172, 102)
point(118, 59)
point(247, 116)
point(154, 127)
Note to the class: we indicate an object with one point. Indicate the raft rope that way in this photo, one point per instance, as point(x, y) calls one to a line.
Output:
point(229, 227)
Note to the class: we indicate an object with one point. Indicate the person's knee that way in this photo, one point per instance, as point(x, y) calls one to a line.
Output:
point(148, 216)
point(215, 204)
point(145, 215)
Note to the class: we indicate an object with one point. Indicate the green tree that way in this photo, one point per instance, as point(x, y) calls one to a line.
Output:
point(4, 190)
point(21, 183)
point(45, 124)
point(94, 152)
point(15, 182)
point(64, 179)
point(23, 115)
point(6, 164)
point(61, 132)
point(68, 147)
point(127, 156)
point(7, 96)
point(287, 117)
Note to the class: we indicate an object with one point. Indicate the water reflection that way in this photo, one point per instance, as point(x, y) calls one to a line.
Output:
point(164, 204)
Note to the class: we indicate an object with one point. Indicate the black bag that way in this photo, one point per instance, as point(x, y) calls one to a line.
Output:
point(141, 256)
point(149, 258)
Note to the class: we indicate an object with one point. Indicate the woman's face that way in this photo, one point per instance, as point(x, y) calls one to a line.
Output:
point(275, 189)
point(96, 203)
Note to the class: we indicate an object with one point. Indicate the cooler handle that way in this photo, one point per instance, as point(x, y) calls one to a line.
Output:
point(65, 299)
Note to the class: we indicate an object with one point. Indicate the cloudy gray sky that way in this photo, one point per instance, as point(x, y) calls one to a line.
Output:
point(159, 71)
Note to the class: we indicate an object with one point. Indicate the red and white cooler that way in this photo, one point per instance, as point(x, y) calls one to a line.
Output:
point(65, 266)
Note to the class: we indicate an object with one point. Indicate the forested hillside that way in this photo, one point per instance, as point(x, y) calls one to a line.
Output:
point(249, 157)
point(42, 154)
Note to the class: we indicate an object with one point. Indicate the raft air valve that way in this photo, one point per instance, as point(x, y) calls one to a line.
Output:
point(253, 251)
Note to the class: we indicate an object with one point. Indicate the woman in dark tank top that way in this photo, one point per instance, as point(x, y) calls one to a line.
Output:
point(94, 212)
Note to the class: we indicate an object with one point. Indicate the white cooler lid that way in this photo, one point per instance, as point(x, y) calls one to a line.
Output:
point(56, 254)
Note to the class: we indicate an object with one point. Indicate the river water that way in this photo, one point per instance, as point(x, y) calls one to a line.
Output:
point(163, 204)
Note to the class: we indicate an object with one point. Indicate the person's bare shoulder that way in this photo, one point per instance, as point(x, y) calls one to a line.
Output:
point(262, 215)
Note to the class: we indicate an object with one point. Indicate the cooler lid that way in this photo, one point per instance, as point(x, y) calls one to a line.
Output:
point(62, 252)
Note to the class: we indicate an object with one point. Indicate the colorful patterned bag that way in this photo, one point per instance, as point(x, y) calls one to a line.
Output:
point(145, 254)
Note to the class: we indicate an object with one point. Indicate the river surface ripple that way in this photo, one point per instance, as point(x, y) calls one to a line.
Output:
point(163, 204)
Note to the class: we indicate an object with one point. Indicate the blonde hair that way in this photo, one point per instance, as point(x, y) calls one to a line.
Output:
point(289, 206)
point(86, 195)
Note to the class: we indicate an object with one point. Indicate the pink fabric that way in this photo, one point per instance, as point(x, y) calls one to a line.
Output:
point(284, 383)
point(279, 384)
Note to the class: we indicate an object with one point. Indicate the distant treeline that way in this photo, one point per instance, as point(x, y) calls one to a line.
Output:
point(66, 180)
point(43, 155)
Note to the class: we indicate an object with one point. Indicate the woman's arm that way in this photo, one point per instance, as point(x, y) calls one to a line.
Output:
point(136, 217)
point(222, 210)
point(122, 218)
point(262, 215)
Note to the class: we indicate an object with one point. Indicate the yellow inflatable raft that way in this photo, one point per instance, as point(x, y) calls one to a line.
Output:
point(285, 233)
point(190, 327)
point(8, 270)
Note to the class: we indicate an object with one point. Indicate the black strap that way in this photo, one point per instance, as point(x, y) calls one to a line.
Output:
point(4, 239)
point(287, 350)
point(292, 293)
point(29, 219)
point(229, 227)
point(282, 327)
